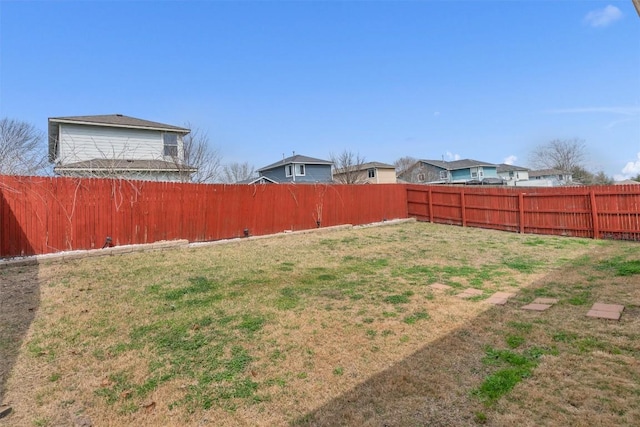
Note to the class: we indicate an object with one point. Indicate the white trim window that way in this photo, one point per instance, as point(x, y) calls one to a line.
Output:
point(444, 174)
point(288, 170)
point(300, 169)
point(372, 173)
point(170, 143)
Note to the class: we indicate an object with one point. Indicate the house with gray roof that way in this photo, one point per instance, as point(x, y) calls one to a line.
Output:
point(117, 146)
point(298, 169)
point(466, 171)
point(512, 174)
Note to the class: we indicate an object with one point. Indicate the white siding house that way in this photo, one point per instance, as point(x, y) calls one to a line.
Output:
point(117, 146)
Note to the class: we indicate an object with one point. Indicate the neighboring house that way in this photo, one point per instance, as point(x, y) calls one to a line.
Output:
point(627, 182)
point(548, 178)
point(465, 171)
point(366, 173)
point(512, 174)
point(117, 146)
point(257, 180)
point(298, 169)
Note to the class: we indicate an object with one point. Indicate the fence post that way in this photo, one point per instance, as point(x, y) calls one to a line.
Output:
point(594, 215)
point(430, 205)
point(521, 212)
point(464, 210)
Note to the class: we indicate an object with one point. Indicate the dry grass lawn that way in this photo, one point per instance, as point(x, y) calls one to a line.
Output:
point(334, 328)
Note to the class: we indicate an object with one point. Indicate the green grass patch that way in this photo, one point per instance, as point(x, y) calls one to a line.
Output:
point(399, 298)
point(514, 367)
point(288, 299)
point(620, 267)
point(522, 265)
point(418, 315)
point(514, 341)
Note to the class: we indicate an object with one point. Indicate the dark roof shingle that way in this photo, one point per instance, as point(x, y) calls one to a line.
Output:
point(296, 159)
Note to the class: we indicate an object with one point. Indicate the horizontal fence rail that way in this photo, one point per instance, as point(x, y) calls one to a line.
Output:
point(599, 212)
point(42, 215)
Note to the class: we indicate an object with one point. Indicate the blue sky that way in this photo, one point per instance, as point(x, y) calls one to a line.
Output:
point(487, 80)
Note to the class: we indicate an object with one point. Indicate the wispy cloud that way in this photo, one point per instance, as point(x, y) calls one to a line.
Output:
point(451, 156)
point(632, 169)
point(628, 111)
point(509, 160)
point(601, 18)
point(632, 113)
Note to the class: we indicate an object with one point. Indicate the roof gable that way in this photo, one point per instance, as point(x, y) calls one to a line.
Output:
point(457, 164)
point(503, 167)
point(296, 159)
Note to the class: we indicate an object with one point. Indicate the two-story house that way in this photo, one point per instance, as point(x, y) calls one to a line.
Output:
point(298, 169)
point(512, 174)
point(466, 171)
point(117, 146)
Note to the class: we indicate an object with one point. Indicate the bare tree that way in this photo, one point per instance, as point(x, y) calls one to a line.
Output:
point(348, 168)
point(562, 154)
point(404, 163)
point(236, 172)
point(22, 151)
point(198, 153)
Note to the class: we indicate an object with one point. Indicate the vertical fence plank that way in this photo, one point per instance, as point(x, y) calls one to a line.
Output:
point(521, 212)
point(594, 215)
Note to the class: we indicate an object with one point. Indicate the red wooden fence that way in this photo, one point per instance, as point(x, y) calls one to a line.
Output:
point(41, 215)
point(610, 212)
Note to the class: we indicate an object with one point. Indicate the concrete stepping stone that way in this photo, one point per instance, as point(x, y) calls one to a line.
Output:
point(500, 298)
point(548, 301)
point(606, 311)
point(440, 287)
point(540, 304)
point(469, 293)
point(536, 307)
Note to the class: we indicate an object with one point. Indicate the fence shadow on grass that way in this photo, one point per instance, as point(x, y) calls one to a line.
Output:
point(430, 387)
point(433, 386)
point(19, 296)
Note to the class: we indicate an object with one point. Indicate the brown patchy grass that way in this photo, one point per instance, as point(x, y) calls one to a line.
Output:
point(335, 328)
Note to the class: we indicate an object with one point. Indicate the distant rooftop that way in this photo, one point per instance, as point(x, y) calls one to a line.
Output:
point(117, 120)
point(296, 159)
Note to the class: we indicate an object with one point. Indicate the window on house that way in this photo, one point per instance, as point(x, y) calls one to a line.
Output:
point(444, 174)
point(420, 177)
point(300, 170)
point(288, 170)
point(372, 173)
point(170, 141)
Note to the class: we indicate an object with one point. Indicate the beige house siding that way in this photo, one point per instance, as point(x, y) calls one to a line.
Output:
point(381, 175)
point(384, 176)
